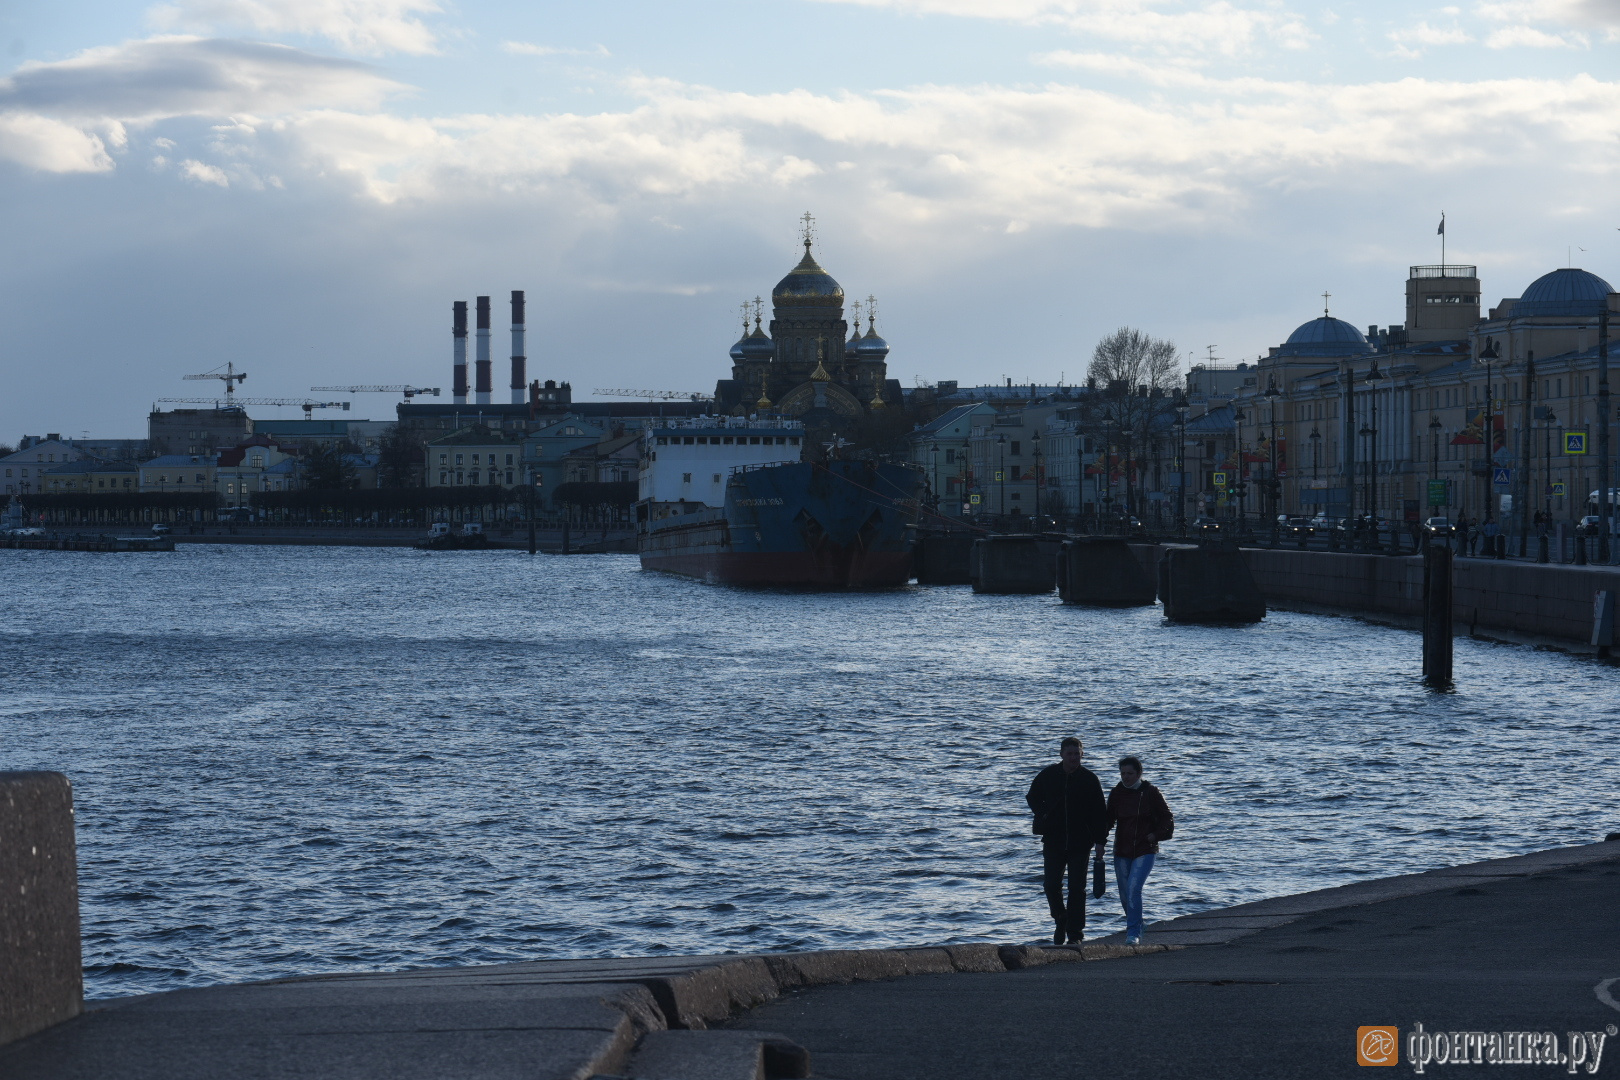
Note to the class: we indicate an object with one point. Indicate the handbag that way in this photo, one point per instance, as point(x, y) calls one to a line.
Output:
point(1099, 876)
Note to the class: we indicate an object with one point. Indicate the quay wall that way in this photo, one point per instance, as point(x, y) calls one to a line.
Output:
point(41, 980)
point(1515, 598)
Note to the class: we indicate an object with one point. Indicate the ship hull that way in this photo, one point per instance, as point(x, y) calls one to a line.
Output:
point(843, 525)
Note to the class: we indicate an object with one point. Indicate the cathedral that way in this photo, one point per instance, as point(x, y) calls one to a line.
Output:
point(813, 365)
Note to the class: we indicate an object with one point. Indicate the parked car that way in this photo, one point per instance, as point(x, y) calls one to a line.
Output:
point(25, 531)
point(1206, 526)
point(161, 529)
point(1296, 528)
point(1590, 525)
point(1438, 526)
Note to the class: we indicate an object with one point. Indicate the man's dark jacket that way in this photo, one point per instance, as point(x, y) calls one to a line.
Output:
point(1070, 812)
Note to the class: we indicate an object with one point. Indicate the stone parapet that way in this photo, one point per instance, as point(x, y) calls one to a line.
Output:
point(41, 978)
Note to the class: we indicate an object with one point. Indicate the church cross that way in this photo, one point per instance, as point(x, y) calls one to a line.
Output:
point(1325, 297)
point(807, 229)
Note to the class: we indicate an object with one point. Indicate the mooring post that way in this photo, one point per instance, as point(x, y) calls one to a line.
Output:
point(1437, 628)
point(565, 538)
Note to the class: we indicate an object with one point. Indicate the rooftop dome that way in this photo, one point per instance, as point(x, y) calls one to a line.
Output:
point(756, 346)
point(1325, 336)
point(1563, 292)
point(872, 347)
point(808, 283)
point(737, 352)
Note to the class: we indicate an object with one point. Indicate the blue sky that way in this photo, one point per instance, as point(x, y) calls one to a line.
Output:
point(303, 186)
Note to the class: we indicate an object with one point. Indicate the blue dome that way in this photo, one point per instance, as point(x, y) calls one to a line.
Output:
point(1325, 336)
point(737, 353)
point(872, 347)
point(808, 283)
point(756, 346)
point(1563, 292)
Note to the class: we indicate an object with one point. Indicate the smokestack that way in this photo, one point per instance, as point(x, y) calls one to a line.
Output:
point(519, 360)
point(459, 350)
point(481, 372)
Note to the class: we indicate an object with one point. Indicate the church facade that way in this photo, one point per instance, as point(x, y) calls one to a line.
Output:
point(814, 364)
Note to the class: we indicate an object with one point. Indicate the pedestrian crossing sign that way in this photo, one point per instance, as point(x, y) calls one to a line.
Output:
point(1574, 442)
point(1502, 476)
point(1557, 488)
point(974, 499)
point(998, 474)
point(1220, 479)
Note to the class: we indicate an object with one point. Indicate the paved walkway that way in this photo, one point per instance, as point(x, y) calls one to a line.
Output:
point(1275, 989)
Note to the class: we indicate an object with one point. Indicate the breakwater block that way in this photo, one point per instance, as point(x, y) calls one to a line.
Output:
point(943, 558)
point(1209, 584)
point(1012, 564)
point(1102, 571)
point(41, 980)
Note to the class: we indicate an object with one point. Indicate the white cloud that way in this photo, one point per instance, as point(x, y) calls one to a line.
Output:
point(48, 145)
point(370, 27)
point(1217, 26)
point(1410, 40)
point(525, 48)
point(1510, 37)
point(204, 174)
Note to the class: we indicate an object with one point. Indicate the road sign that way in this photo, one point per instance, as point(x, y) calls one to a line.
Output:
point(1574, 442)
point(974, 499)
point(1501, 476)
point(998, 474)
point(1439, 492)
point(1557, 488)
point(1220, 479)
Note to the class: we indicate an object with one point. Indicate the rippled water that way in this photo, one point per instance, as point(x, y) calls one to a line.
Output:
point(315, 759)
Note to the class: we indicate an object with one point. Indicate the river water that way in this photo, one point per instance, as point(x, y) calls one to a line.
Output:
point(292, 760)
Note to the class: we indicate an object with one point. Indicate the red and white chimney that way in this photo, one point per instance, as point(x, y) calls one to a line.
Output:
point(520, 381)
point(459, 351)
point(481, 371)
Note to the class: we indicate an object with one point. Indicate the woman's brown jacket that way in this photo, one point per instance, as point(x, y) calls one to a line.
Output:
point(1135, 813)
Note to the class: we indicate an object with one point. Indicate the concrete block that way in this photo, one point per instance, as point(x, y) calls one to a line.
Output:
point(41, 974)
point(943, 558)
point(1012, 564)
point(981, 958)
point(1104, 572)
point(1211, 584)
point(835, 966)
point(718, 1055)
point(695, 999)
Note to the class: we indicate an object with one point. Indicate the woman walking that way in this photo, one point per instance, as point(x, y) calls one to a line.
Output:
point(1140, 818)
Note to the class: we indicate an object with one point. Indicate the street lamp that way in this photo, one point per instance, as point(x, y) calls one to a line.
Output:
point(1181, 464)
point(1372, 379)
point(1036, 439)
point(1489, 354)
point(1434, 459)
point(1272, 394)
point(1237, 489)
point(1001, 474)
point(933, 450)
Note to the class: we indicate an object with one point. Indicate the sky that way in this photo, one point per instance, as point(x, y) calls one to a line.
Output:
point(302, 187)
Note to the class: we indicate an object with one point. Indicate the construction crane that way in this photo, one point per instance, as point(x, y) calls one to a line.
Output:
point(230, 376)
point(408, 391)
point(655, 395)
point(302, 403)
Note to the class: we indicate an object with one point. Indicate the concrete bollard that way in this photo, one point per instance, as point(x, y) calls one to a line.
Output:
point(944, 558)
point(1102, 571)
point(1012, 564)
point(1437, 615)
point(41, 974)
point(1211, 584)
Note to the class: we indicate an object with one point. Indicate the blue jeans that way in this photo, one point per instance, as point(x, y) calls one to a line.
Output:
point(1130, 875)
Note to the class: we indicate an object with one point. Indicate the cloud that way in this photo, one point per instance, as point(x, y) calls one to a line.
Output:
point(1422, 33)
point(185, 76)
point(1574, 15)
point(48, 145)
point(1164, 26)
point(1529, 37)
point(369, 27)
point(204, 174)
point(524, 48)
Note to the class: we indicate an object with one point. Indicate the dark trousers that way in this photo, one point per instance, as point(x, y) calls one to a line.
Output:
point(1056, 860)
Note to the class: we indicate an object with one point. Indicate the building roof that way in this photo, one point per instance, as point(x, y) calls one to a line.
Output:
point(477, 435)
point(808, 283)
point(1563, 292)
point(946, 419)
point(171, 461)
point(1217, 421)
point(90, 465)
point(1325, 336)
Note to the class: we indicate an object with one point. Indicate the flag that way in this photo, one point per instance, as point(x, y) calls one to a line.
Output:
point(1441, 231)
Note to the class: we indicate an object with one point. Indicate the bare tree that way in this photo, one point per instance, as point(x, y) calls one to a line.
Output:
point(1132, 358)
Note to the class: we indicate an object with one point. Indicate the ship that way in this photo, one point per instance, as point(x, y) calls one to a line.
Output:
point(731, 501)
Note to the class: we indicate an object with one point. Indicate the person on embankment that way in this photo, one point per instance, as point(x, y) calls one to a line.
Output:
point(1140, 818)
point(1071, 818)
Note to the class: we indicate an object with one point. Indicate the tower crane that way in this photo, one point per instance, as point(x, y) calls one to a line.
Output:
point(655, 395)
point(408, 391)
point(230, 376)
point(303, 403)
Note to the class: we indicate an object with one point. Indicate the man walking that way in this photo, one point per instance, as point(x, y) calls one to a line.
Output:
point(1071, 818)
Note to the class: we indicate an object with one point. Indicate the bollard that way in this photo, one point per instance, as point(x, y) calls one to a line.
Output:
point(1104, 572)
point(1437, 628)
point(1603, 635)
point(1541, 549)
point(41, 980)
point(1012, 564)
point(1210, 584)
point(1580, 549)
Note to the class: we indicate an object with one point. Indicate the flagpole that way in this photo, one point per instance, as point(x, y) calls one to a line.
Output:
point(1442, 240)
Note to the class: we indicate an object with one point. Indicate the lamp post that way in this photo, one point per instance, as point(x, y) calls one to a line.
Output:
point(1372, 378)
point(1546, 487)
point(1316, 466)
point(1181, 464)
point(933, 452)
point(1434, 457)
point(1039, 479)
point(1272, 394)
point(1001, 474)
point(1489, 355)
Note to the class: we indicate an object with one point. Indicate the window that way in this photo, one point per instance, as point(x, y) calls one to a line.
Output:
point(508, 472)
point(458, 459)
point(686, 478)
point(717, 478)
point(444, 478)
point(727, 441)
point(1014, 496)
point(509, 461)
point(753, 440)
point(444, 459)
point(1015, 451)
point(690, 440)
point(950, 457)
point(199, 478)
point(793, 440)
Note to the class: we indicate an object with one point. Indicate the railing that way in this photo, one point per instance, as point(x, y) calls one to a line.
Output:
point(1445, 271)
